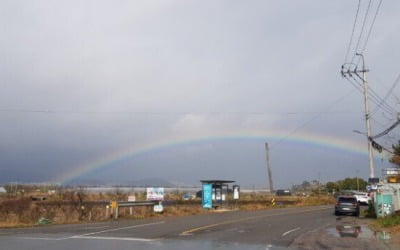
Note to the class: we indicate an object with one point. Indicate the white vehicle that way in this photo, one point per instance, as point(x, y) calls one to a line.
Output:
point(362, 197)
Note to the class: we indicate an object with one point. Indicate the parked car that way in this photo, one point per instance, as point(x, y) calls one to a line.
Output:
point(283, 192)
point(347, 205)
point(362, 198)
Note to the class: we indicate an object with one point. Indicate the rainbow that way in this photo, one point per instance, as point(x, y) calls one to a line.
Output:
point(315, 140)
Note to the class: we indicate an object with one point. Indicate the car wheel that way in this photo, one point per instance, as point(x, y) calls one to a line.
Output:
point(336, 213)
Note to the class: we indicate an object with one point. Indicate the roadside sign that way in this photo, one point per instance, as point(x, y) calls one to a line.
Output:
point(207, 195)
point(158, 208)
point(155, 194)
point(236, 192)
point(113, 204)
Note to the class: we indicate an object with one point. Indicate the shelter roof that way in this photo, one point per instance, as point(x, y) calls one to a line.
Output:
point(217, 181)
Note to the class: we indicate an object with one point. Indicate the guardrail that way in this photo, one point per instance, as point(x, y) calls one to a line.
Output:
point(115, 205)
point(136, 203)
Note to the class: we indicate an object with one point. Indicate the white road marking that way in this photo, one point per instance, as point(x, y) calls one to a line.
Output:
point(119, 228)
point(113, 238)
point(290, 231)
point(42, 238)
point(87, 235)
point(191, 231)
point(96, 227)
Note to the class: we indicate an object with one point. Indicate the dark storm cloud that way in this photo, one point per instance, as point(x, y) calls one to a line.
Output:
point(80, 80)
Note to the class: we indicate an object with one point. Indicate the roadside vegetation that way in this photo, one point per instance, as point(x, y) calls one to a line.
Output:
point(395, 159)
point(47, 205)
point(387, 224)
point(314, 187)
point(390, 221)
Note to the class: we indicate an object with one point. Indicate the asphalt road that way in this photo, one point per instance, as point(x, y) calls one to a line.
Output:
point(302, 228)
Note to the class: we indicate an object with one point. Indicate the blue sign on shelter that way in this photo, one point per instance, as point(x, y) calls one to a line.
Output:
point(207, 195)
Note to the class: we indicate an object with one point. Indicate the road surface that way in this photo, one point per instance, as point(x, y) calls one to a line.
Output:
point(299, 228)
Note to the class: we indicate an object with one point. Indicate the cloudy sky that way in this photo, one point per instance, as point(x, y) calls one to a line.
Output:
point(189, 90)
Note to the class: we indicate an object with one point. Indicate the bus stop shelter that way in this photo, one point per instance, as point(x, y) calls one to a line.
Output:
point(215, 192)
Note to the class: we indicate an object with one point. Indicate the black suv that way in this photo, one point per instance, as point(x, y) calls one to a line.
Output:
point(347, 205)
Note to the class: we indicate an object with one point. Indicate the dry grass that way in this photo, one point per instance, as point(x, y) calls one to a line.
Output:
point(23, 211)
point(391, 223)
point(316, 201)
point(13, 225)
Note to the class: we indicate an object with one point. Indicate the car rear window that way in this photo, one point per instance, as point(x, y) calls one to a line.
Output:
point(347, 199)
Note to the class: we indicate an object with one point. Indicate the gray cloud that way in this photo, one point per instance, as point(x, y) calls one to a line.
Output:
point(117, 74)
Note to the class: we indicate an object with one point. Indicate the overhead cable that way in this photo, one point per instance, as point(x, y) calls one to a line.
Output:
point(352, 32)
point(47, 111)
point(334, 103)
point(387, 130)
point(370, 29)
point(388, 93)
point(376, 99)
point(362, 30)
point(372, 25)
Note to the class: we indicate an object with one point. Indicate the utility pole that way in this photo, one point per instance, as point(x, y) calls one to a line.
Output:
point(319, 183)
point(271, 186)
point(364, 71)
point(367, 118)
point(358, 184)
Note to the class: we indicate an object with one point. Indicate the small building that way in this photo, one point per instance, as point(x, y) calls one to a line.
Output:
point(386, 199)
point(3, 190)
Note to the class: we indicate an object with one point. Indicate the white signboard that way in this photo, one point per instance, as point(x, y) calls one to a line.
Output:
point(155, 194)
point(131, 198)
point(236, 192)
point(158, 208)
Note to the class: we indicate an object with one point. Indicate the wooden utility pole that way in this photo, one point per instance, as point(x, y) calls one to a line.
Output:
point(271, 186)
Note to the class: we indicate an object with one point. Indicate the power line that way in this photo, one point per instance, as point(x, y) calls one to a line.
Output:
point(352, 32)
point(372, 25)
point(288, 113)
point(354, 83)
point(388, 93)
point(389, 108)
point(312, 119)
point(370, 29)
point(379, 123)
point(362, 30)
point(387, 130)
point(376, 99)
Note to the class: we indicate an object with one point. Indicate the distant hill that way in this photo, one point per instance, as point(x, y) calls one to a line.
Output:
point(86, 182)
point(150, 182)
